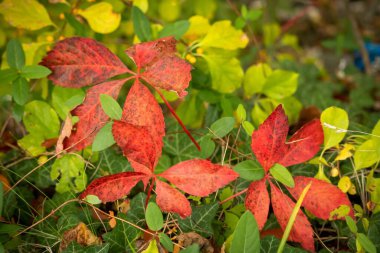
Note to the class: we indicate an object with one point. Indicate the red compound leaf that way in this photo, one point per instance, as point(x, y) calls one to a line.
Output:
point(257, 201)
point(163, 69)
point(302, 231)
point(77, 62)
point(322, 197)
point(171, 200)
point(91, 115)
point(199, 177)
point(113, 187)
point(268, 142)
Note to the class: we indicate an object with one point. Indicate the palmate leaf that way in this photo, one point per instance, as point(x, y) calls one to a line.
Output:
point(77, 62)
point(322, 198)
point(283, 206)
point(91, 115)
point(199, 177)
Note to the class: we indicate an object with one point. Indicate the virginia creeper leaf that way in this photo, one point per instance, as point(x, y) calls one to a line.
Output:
point(268, 141)
point(113, 187)
point(304, 144)
point(322, 198)
point(257, 201)
point(91, 115)
point(77, 62)
point(163, 69)
point(199, 177)
point(171, 200)
point(302, 231)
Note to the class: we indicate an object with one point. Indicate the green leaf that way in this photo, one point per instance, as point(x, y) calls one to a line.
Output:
point(280, 84)
point(226, 72)
point(255, 77)
point(281, 174)
point(153, 217)
point(194, 248)
point(141, 25)
point(113, 162)
point(66, 99)
point(75, 247)
point(34, 71)
point(111, 107)
point(248, 127)
point(374, 230)
point(166, 242)
point(351, 224)
point(27, 14)
point(177, 29)
point(40, 119)
point(70, 170)
point(15, 53)
point(200, 220)
point(104, 138)
point(32, 143)
point(246, 237)
point(143, 5)
point(223, 35)
point(222, 127)
point(101, 17)
point(269, 244)
point(192, 111)
point(366, 243)
point(92, 199)
point(249, 170)
point(367, 154)
point(20, 90)
point(335, 123)
point(240, 114)
point(8, 75)
point(207, 146)
point(271, 32)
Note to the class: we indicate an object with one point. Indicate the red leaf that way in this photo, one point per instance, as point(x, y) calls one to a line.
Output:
point(91, 115)
point(142, 114)
point(136, 142)
point(163, 69)
point(322, 197)
point(304, 144)
point(113, 187)
point(257, 201)
point(268, 141)
point(145, 54)
point(302, 231)
point(199, 177)
point(171, 200)
point(77, 62)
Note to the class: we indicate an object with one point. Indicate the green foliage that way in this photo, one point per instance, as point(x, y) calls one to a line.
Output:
point(246, 235)
point(153, 217)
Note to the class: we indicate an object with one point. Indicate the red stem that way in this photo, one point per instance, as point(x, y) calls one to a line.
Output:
point(233, 196)
point(178, 119)
point(149, 192)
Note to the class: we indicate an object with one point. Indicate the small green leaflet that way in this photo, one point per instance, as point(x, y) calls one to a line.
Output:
point(104, 138)
point(222, 127)
point(241, 114)
point(351, 224)
point(194, 248)
point(93, 199)
point(166, 242)
point(153, 217)
point(8, 75)
point(248, 127)
point(141, 25)
point(15, 54)
point(20, 90)
point(176, 29)
point(246, 237)
point(249, 170)
point(34, 71)
point(366, 243)
point(335, 123)
point(111, 107)
point(281, 174)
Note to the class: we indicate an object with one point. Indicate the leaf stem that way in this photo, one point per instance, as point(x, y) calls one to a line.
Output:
point(232, 196)
point(178, 119)
point(149, 191)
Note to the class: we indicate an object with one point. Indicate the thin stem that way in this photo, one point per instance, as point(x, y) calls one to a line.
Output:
point(178, 119)
point(149, 191)
point(233, 196)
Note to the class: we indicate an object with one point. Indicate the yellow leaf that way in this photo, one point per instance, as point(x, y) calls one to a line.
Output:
point(101, 17)
point(344, 184)
point(142, 4)
point(339, 212)
point(152, 247)
point(345, 152)
point(199, 27)
point(223, 35)
point(27, 14)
